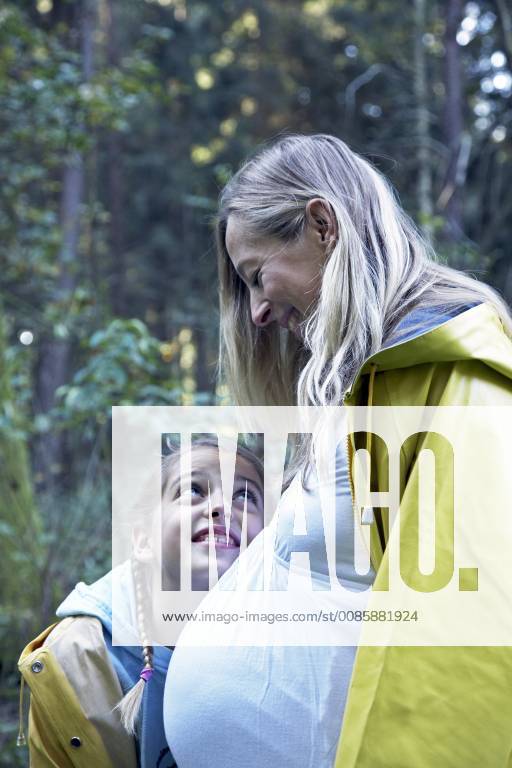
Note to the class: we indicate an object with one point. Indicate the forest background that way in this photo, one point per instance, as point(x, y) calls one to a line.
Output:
point(120, 121)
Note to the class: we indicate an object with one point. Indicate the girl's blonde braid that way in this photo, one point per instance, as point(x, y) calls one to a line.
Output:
point(130, 704)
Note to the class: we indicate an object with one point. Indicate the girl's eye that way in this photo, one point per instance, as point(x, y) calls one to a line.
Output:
point(256, 278)
point(193, 490)
point(246, 493)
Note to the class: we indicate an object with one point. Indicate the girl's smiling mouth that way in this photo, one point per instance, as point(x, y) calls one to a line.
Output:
point(222, 540)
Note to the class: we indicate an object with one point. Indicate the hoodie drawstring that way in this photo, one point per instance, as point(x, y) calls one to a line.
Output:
point(367, 515)
point(21, 740)
point(373, 371)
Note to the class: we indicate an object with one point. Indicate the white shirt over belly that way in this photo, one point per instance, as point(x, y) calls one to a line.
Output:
point(248, 706)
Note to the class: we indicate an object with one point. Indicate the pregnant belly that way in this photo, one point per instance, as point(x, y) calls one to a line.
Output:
point(253, 707)
point(271, 705)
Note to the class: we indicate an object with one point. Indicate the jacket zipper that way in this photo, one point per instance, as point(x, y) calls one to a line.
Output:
point(350, 455)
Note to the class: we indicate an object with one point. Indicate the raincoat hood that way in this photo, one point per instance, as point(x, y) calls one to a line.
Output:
point(96, 600)
point(430, 336)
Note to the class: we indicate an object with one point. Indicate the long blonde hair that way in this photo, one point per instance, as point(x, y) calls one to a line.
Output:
point(379, 270)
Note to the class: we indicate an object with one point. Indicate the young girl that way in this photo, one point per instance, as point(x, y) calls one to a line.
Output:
point(78, 679)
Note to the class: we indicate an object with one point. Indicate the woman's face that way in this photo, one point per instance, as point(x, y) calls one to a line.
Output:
point(201, 493)
point(283, 279)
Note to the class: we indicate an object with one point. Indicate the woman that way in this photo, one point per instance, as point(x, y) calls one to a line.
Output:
point(329, 295)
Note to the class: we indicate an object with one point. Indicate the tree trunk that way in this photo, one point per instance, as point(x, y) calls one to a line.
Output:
point(55, 354)
point(20, 538)
point(115, 179)
point(450, 200)
point(505, 15)
point(205, 371)
point(53, 368)
point(424, 182)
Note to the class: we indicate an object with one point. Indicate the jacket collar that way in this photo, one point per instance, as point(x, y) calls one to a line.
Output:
point(476, 333)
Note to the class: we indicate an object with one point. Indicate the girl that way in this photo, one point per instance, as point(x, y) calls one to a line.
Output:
point(77, 677)
point(329, 295)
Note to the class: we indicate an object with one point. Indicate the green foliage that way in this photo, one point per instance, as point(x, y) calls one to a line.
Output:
point(124, 366)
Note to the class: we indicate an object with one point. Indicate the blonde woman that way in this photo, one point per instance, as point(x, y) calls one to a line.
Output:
point(329, 295)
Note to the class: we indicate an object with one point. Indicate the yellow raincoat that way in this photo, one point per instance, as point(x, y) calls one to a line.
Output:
point(74, 690)
point(419, 707)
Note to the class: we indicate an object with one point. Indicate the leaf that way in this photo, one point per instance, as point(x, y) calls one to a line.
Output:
point(97, 339)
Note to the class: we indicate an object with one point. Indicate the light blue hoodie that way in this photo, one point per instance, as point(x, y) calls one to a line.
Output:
point(96, 600)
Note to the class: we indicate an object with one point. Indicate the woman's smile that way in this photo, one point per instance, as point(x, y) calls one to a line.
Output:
point(283, 279)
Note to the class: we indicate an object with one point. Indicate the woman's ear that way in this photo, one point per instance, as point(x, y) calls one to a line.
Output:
point(320, 216)
point(142, 545)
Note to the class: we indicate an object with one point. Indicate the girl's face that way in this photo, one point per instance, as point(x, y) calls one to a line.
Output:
point(283, 279)
point(201, 493)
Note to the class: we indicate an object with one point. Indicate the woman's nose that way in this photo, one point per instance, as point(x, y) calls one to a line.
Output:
point(261, 312)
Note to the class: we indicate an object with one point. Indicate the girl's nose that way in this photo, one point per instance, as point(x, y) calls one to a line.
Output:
point(216, 505)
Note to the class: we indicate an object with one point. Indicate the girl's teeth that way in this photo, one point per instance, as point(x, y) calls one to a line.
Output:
point(216, 538)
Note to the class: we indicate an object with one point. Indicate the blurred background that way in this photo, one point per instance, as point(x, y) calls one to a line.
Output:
point(120, 121)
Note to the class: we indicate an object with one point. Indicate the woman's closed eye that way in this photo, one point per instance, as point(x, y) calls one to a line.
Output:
point(256, 279)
